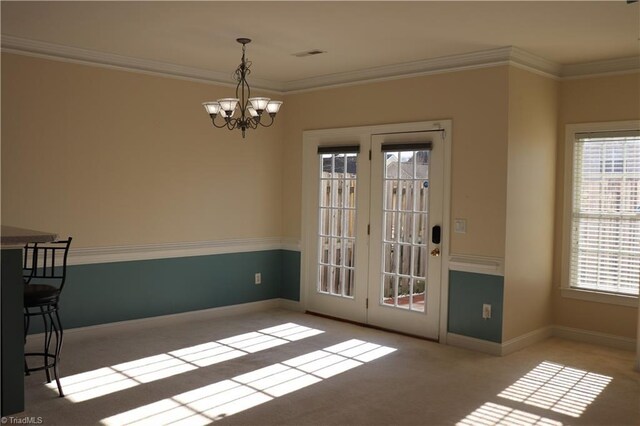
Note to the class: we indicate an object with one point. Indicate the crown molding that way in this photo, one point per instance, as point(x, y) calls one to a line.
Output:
point(508, 55)
point(481, 59)
point(534, 63)
point(11, 44)
point(611, 66)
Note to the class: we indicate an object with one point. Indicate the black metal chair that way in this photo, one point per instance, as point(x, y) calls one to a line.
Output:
point(44, 273)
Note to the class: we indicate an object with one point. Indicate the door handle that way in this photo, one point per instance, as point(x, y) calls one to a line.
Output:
point(435, 252)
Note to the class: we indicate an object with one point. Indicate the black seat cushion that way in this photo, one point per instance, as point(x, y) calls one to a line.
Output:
point(40, 294)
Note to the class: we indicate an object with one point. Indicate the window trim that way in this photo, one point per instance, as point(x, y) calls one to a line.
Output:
point(566, 290)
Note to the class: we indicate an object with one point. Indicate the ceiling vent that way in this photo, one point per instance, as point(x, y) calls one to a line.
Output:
point(309, 53)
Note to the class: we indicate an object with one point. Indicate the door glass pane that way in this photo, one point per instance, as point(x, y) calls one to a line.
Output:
point(337, 280)
point(419, 261)
point(324, 279)
point(388, 289)
point(389, 258)
point(421, 233)
point(405, 227)
point(404, 292)
point(391, 165)
point(337, 224)
point(406, 195)
point(350, 223)
point(390, 228)
point(350, 193)
point(417, 301)
point(405, 221)
point(422, 196)
point(325, 249)
point(349, 253)
point(404, 260)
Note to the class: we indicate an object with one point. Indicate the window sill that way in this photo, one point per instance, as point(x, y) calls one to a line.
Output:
point(594, 296)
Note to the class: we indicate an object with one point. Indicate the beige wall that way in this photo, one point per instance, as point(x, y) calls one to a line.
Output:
point(120, 158)
point(475, 100)
point(584, 100)
point(533, 108)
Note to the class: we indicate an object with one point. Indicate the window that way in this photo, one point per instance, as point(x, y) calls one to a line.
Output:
point(604, 243)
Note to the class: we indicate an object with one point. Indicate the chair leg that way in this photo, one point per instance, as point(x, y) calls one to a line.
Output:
point(47, 341)
point(51, 355)
point(59, 334)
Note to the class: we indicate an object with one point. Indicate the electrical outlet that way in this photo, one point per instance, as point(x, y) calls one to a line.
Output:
point(486, 311)
point(258, 278)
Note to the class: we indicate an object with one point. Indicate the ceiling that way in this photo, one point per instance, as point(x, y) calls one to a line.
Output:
point(356, 35)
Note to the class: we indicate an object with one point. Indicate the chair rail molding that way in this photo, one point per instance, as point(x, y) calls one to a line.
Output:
point(110, 254)
point(477, 264)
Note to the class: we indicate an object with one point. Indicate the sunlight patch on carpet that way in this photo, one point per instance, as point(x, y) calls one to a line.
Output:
point(107, 380)
point(225, 398)
point(557, 388)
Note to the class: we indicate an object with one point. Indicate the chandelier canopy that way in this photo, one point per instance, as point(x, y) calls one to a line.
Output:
point(251, 110)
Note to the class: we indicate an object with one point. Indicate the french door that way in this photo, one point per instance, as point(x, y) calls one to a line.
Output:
point(406, 232)
point(373, 225)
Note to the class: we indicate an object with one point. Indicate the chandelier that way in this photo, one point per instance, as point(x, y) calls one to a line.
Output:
point(251, 111)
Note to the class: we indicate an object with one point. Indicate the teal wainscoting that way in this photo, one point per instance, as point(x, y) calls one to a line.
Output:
point(290, 275)
point(109, 292)
point(467, 293)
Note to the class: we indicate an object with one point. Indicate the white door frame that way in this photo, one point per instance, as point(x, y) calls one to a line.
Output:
point(362, 135)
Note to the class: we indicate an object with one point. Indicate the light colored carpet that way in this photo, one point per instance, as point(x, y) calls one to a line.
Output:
point(346, 375)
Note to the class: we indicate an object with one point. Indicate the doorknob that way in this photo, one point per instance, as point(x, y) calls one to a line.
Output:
point(435, 252)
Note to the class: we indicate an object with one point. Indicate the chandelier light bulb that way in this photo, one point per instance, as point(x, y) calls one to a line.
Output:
point(259, 104)
point(273, 107)
point(228, 105)
point(212, 108)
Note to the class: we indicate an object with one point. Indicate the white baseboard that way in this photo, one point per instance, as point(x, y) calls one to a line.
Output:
point(526, 339)
point(204, 314)
point(474, 344)
point(539, 335)
point(291, 305)
point(594, 337)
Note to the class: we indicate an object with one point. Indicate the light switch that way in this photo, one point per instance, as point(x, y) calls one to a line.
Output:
point(460, 226)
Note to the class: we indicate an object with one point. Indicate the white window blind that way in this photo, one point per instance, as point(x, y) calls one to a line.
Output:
point(605, 240)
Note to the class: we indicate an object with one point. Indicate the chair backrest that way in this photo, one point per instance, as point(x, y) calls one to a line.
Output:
point(46, 263)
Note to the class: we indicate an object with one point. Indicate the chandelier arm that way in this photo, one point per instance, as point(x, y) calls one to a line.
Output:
point(253, 122)
point(232, 123)
point(219, 126)
point(270, 123)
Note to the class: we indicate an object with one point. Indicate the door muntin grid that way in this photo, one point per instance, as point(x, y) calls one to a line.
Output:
point(405, 227)
point(337, 224)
